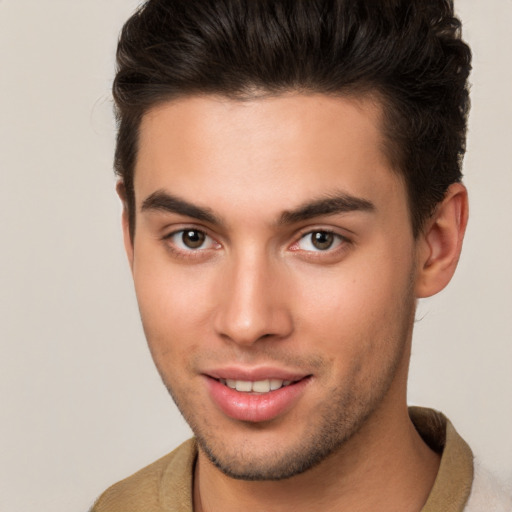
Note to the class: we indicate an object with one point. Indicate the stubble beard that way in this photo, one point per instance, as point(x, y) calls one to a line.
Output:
point(325, 439)
point(333, 425)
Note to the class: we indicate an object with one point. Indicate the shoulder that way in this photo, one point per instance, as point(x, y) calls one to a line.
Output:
point(487, 493)
point(151, 488)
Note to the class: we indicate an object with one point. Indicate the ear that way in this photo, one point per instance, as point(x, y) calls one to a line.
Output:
point(128, 242)
point(440, 243)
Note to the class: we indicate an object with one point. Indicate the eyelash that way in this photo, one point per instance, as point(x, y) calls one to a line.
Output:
point(188, 252)
point(339, 242)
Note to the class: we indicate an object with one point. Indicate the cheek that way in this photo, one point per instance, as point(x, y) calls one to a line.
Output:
point(174, 307)
point(357, 305)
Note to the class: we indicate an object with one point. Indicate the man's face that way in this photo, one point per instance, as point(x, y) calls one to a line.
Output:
point(274, 268)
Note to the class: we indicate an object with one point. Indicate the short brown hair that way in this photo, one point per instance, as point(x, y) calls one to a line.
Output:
point(408, 53)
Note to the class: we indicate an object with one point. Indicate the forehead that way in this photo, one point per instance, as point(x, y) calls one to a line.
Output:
point(279, 151)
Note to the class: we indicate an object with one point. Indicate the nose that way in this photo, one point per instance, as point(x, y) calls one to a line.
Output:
point(252, 302)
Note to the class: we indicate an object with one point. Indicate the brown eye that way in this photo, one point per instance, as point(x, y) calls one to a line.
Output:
point(192, 238)
point(322, 240)
point(191, 242)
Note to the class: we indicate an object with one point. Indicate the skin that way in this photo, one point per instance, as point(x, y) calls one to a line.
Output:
point(257, 293)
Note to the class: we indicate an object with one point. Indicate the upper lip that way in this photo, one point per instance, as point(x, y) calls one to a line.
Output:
point(255, 373)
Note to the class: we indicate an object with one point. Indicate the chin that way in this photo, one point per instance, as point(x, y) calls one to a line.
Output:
point(261, 455)
point(270, 466)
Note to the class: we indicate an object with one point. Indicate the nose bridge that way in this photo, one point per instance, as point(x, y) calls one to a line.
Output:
point(250, 305)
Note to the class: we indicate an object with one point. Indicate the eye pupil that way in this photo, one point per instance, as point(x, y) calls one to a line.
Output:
point(322, 239)
point(193, 238)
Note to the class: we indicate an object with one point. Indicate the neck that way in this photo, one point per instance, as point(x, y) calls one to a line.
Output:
point(386, 466)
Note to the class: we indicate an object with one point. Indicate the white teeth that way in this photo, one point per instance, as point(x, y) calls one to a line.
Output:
point(275, 384)
point(258, 386)
point(261, 386)
point(244, 385)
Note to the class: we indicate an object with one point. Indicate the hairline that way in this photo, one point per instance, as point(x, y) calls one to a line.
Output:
point(358, 94)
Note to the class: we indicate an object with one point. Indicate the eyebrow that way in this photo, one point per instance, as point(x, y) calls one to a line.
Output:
point(330, 205)
point(163, 201)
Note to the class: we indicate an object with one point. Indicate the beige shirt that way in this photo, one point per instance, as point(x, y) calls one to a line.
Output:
point(166, 485)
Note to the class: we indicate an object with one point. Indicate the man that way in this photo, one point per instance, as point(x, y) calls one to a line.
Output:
point(290, 174)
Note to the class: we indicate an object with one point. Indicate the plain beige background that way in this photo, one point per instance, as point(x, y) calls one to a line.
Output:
point(81, 404)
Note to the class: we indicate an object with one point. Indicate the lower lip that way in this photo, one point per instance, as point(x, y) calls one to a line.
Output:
point(255, 407)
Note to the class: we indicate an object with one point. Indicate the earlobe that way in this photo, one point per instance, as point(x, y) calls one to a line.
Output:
point(440, 244)
point(128, 242)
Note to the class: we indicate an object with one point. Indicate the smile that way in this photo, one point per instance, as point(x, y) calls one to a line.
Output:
point(258, 386)
point(258, 399)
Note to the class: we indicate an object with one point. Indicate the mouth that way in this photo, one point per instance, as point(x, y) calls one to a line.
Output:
point(257, 399)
